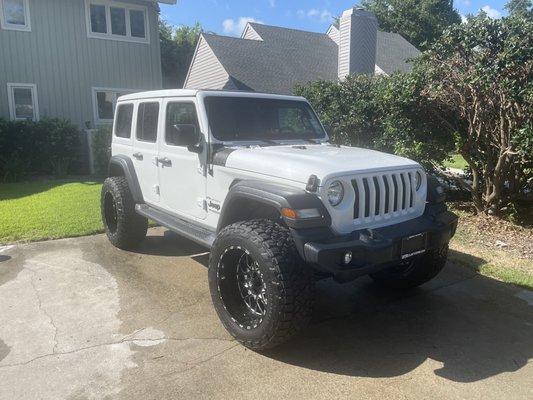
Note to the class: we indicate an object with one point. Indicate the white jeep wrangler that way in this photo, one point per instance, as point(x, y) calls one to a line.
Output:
point(253, 178)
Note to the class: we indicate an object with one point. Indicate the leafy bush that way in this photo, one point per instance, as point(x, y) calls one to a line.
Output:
point(382, 113)
point(47, 147)
point(101, 149)
point(482, 72)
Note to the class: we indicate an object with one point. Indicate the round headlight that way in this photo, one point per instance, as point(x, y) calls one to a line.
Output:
point(418, 180)
point(335, 193)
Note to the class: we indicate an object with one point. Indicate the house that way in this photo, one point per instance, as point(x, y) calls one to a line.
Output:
point(73, 58)
point(273, 59)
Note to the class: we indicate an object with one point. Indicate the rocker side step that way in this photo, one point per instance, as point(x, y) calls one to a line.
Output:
point(200, 235)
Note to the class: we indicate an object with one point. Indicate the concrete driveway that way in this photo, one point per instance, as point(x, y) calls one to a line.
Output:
point(80, 319)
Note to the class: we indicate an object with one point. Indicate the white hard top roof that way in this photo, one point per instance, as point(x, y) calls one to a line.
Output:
point(154, 94)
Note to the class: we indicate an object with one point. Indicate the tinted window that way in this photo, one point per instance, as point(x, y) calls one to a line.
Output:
point(179, 114)
point(124, 117)
point(147, 118)
point(243, 118)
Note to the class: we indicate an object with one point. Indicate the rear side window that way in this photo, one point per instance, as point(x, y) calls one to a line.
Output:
point(147, 118)
point(179, 114)
point(123, 123)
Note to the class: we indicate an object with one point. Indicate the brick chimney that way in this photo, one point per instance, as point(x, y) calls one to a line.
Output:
point(357, 44)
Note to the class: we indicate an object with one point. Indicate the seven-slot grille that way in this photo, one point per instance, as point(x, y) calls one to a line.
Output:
point(384, 195)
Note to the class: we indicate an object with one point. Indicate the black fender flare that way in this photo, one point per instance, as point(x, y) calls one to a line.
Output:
point(121, 165)
point(276, 196)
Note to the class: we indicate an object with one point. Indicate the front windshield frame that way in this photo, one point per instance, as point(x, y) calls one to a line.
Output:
point(319, 135)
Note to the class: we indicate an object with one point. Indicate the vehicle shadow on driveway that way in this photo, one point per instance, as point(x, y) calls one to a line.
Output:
point(474, 326)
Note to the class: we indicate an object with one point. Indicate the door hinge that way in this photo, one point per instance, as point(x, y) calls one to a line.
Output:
point(202, 203)
point(156, 190)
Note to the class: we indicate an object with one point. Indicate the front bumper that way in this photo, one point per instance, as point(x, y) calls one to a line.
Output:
point(373, 249)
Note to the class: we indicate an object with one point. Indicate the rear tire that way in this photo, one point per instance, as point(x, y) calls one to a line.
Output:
point(261, 289)
point(124, 227)
point(419, 271)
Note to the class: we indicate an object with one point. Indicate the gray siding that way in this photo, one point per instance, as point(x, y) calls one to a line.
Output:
point(65, 64)
point(206, 71)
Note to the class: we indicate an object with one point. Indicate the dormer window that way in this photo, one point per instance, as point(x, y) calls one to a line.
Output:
point(116, 21)
point(15, 15)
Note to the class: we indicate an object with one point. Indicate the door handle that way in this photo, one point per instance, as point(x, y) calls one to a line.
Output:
point(138, 156)
point(165, 162)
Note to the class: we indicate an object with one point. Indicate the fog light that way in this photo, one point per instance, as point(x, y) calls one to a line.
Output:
point(348, 258)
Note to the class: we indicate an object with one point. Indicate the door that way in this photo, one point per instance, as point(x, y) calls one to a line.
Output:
point(182, 172)
point(145, 150)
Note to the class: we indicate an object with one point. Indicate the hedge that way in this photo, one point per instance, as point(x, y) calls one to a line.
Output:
point(48, 147)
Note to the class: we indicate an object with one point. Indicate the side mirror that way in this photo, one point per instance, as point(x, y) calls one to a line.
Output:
point(185, 135)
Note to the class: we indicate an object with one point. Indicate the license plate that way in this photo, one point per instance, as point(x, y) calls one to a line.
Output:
point(414, 245)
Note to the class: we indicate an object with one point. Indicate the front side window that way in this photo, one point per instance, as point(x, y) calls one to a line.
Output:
point(179, 114)
point(147, 119)
point(23, 103)
point(123, 121)
point(244, 118)
point(113, 20)
point(105, 101)
point(15, 14)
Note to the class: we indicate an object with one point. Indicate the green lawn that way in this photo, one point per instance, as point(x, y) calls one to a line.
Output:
point(457, 161)
point(42, 210)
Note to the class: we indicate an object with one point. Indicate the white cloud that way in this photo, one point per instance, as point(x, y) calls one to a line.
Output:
point(272, 3)
point(492, 12)
point(236, 26)
point(466, 3)
point(322, 16)
point(464, 20)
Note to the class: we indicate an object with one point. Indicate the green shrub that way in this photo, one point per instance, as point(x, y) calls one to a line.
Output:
point(381, 113)
point(47, 147)
point(101, 149)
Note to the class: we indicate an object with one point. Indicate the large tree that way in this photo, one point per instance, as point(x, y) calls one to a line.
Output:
point(519, 7)
point(177, 49)
point(419, 21)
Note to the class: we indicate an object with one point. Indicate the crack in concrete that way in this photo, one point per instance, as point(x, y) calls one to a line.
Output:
point(124, 340)
point(201, 362)
point(41, 308)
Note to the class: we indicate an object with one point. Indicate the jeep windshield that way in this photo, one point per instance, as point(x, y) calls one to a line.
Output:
point(262, 119)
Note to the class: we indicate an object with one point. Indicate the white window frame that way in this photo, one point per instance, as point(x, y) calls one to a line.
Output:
point(11, 100)
point(14, 27)
point(109, 35)
point(95, 90)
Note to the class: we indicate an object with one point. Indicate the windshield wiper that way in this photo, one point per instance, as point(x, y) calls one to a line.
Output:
point(267, 141)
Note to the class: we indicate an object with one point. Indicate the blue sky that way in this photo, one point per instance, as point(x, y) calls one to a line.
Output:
point(229, 16)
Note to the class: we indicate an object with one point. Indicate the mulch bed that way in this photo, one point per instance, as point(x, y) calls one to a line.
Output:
point(494, 233)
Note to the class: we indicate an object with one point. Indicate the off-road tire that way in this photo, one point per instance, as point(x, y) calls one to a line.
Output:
point(130, 228)
point(421, 270)
point(288, 283)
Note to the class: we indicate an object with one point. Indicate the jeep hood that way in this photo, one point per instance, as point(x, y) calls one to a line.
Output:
point(297, 163)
